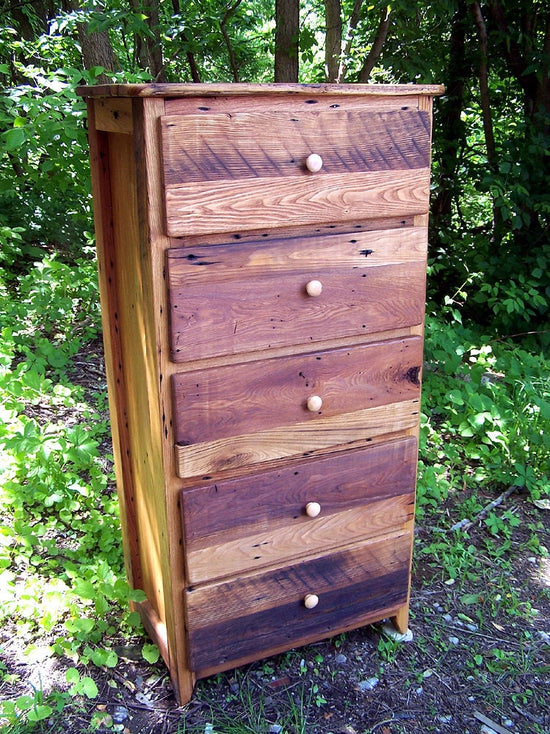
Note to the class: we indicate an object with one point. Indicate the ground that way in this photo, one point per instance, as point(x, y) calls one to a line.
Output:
point(478, 661)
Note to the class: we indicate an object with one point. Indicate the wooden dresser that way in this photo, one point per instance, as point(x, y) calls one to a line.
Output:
point(262, 254)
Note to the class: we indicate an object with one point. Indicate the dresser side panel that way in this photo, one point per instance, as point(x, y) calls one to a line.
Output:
point(164, 488)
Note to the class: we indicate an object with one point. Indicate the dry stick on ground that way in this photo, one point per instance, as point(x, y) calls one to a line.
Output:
point(465, 524)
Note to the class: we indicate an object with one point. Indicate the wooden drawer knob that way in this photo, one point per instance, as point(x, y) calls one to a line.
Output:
point(311, 601)
point(314, 288)
point(313, 509)
point(314, 403)
point(314, 163)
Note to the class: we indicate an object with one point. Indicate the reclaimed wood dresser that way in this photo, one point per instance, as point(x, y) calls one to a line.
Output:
point(262, 255)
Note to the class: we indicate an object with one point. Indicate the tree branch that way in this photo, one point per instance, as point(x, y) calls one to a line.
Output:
point(231, 9)
point(352, 27)
point(193, 66)
point(376, 50)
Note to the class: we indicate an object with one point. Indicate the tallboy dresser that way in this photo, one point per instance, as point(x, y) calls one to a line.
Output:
point(262, 253)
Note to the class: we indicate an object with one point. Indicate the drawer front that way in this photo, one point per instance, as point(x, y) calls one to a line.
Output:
point(230, 299)
point(239, 414)
point(256, 614)
point(270, 518)
point(248, 171)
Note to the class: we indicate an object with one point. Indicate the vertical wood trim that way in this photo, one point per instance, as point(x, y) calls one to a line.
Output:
point(117, 390)
point(425, 103)
point(153, 244)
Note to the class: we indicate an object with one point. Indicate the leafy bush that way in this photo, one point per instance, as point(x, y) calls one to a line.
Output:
point(486, 415)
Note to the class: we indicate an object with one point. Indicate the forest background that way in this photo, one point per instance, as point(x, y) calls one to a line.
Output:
point(486, 404)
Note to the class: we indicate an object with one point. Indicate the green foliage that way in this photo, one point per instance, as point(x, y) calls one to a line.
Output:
point(61, 568)
point(486, 415)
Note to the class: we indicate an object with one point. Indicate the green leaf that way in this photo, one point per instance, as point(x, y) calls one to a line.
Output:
point(39, 712)
point(468, 599)
point(24, 703)
point(88, 687)
point(150, 653)
point(72, 676)
point(14, 138)
point(107, 658)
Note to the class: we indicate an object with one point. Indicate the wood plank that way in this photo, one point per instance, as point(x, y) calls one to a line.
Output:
point(231, 299)
point(326, 228)
point(274, 393)
point(276, 143)
point(117, 392)
point(235, 206)
point(252, 614)
point(284, 541)
point(313, 637)
point(225, 89)
point(304, 254)
point(241, 524)
point(160, 523)
point(251, 448)
point(114, 115)
point(337, 482)
point(279, 102)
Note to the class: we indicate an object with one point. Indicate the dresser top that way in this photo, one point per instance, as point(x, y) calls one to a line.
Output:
point(224, 90)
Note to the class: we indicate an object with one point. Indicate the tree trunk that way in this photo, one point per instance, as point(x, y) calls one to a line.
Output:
point(287, 31)
point(534, 83)
point(154, 43)
point(452, 135)
point(96, 48)
point(376, 50)
point(485, 102)
point(333, 39)
point(141, 57)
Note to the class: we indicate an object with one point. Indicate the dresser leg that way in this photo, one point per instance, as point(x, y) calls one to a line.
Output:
point(401, 620)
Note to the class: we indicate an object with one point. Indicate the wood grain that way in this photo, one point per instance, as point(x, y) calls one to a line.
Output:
point(234, 206)
point(232, 619)
point(248, 449)
point(240, 524)
point(273, 393)
point(226, 104)
point(114, 115)
point(276, 143)
point(259, 499)
point(230, 299)
point(174, 91)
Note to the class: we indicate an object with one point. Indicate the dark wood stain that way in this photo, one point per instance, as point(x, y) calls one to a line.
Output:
point(255, 631)
point(348, 380)
point(274, 145)
point(337, 482)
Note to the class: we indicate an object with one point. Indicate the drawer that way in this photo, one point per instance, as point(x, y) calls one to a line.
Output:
point(270, 518)
point(230, 299)
point(242, 414)
point(248, 170)
point(259, 613)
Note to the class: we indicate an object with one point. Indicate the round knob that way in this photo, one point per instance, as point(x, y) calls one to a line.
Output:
point(311, 601)
point(314, 288)
point(313, 509)
point(314, 163)
point(314, 403)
